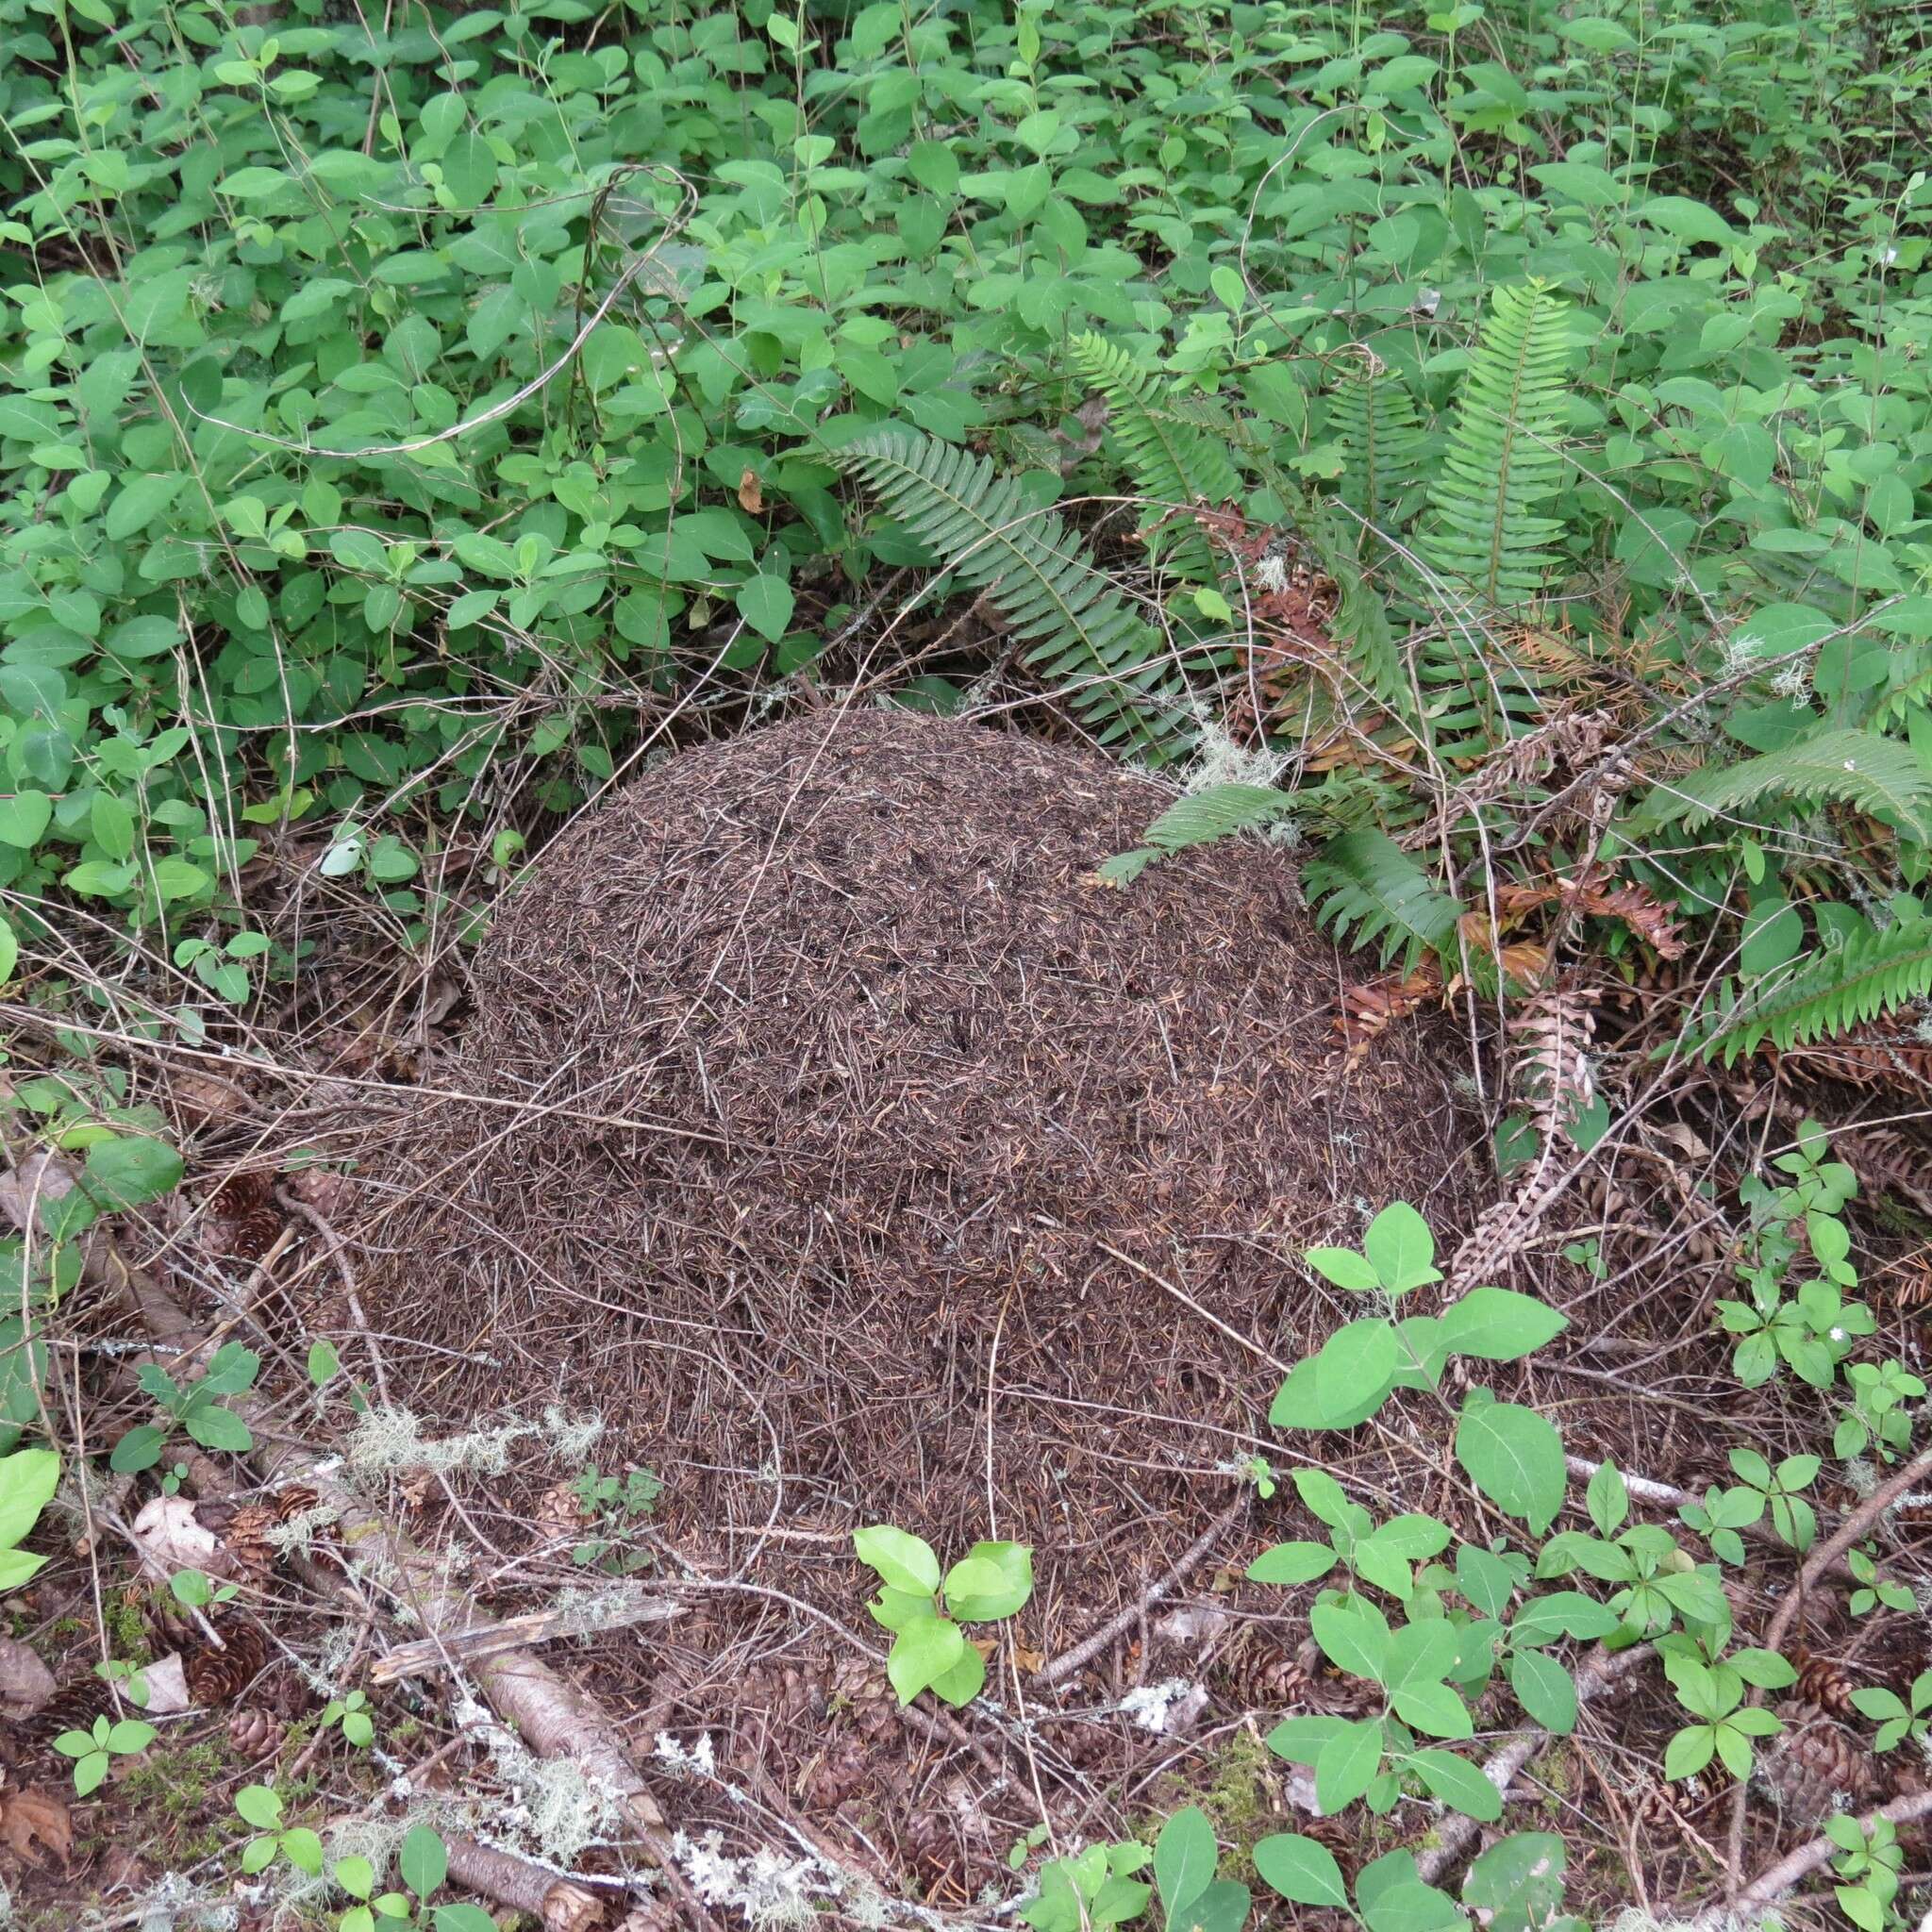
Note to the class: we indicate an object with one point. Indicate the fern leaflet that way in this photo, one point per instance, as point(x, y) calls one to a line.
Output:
point(1826, 993)
point(1862, 769)
point(1368, 889)
point(1176, 450)
point(1486, 534)
point(1372, 418)
point(1197, 819)
point(1111, 665)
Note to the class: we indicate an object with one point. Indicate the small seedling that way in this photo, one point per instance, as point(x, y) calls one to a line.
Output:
point(94, 1751)
point(1896, 1717)
point(923, 1611)
point(351, 1712)
point(614, 1504)
point(194, 1406)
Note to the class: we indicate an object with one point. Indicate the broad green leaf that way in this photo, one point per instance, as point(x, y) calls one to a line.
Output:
point(23, 817)
point(28, 1480)
point(923, 1651)
point(1301, 1870)
point(1354, 1635)
point(1346, 1765)
point(1515, 1457)
point(960, 1684)
point(128, 1170)
point(259, 1806)
point(903, 1561)
point(766, 604)
point(1545, 1690)
point(1184, 1859)
point(1292, 1563)
point(1401, 1249)
point(1459, 1783)
point(1343, 1266)
point(993, 1580)
point(1498, 1325)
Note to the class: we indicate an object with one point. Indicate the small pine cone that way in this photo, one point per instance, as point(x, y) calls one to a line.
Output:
point(73, 1708)
point(292, 1499)
point(254, 1734)
point(219, 1677)
point(560, 1516)
point(1281, 1683)
point(1329, 1691)
point(1826, 1685)
point(838, 1773)
point(867, 1694)
point(244, 1535)
point(1655, 1805)
point(1816, 1767)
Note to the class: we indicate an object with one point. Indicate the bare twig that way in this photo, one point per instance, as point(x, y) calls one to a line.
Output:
point(339, 1254)
point(457, 1647)
point(516, 1882)
point(1089, 1648)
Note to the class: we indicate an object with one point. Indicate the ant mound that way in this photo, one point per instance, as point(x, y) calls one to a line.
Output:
point(857, 1158)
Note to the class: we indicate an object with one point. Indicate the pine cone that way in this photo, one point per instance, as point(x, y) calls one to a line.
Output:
point(838, 1773)
point(1280, 1683)
point(1330, 1691)
point(254, 1734)
point(1655, 1805)
point(244, 1530)
point(1817, 1767)
point(1826, 1685)
point(73, 1708)
point(560, 1516)
point(242, 1218)
point(219, 1677)
point(867, 1695)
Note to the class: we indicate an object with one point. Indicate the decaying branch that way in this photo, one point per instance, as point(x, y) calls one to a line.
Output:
point(561, 1904)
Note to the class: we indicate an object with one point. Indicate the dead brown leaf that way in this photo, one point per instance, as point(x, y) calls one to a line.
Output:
point(751, 493)
point(31, 1817)
point(26, 1682)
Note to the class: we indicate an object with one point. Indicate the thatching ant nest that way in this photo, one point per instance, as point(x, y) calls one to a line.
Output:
point(860, 1158)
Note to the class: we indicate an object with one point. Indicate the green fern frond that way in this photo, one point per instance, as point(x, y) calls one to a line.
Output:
point(1475, 699)
point(1174, 448)
point(1217, 811)
point(1367, 890)
point(1828, 992)
point(1862, 769)
point(1486, 534)
point(1373, 420)
point(1090, 640)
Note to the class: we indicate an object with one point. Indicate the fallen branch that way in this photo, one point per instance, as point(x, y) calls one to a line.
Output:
point(1769, 1887)
point(454, 1648)
point(1600, 1669)
point(1089, 1648)
point(562, 1904)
